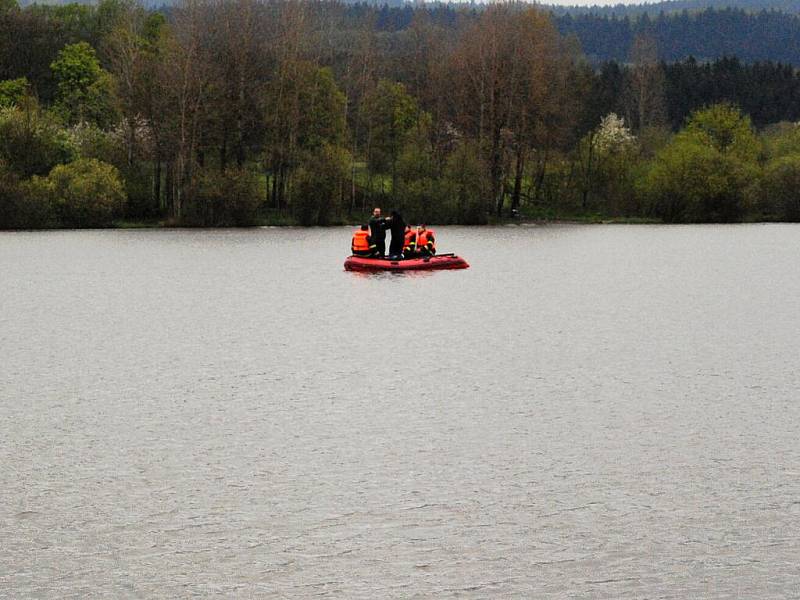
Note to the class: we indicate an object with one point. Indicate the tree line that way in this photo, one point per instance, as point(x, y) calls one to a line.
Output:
point(237, 112)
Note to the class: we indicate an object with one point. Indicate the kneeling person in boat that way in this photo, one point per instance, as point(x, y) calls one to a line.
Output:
point(410, 243)
point(426, 241)
point(362, 244)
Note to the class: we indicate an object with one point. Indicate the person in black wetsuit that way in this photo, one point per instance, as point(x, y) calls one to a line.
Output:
point(377, 231)
point(398, 228)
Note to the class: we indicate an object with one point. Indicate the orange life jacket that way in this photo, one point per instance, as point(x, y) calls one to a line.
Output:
point(424, 237)
point(361, 241)
point(410, 240)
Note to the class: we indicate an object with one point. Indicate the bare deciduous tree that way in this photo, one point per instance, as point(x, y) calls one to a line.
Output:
point(644, 93)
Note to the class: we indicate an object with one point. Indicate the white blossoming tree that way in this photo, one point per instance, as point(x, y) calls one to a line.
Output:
point(603, 163)
point(612, 134)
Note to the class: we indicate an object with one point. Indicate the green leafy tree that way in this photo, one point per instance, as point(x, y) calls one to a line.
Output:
point(305, 119)
point(319, 186)
point(31, 141)
point(85, 90)
point(21, 205)
point(109, 15)
point(391, 115)
point(29, 42)
point(86, 193)
point(417, 175)
point(456, 193)
point(230, 198)
point(36, 209)
point(90, 141)
point(152, 106)
point(74, 20)
point(10, 198)
point(709, 171)
point(322, 108)
point(781, 139)
point(465, 185)
point(726, 129)
point(12, 91)
point(780, 188)
point(690, 181)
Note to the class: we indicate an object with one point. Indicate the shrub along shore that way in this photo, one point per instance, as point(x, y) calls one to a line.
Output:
point(266, 112)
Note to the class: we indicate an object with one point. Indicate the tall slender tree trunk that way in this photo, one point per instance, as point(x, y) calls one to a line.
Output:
point(496, 172)
point(587, 178)
point(276, 201)
point(368, 194)
point(240, 125)
point(273, 189)
point(131, 140)
point(169, 185)
point(518, 173)
point(394, 181)
point(223, 151)
point(541, 170)
point(157, 184)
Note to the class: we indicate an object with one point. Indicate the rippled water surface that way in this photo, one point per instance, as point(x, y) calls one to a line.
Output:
point(587, 412)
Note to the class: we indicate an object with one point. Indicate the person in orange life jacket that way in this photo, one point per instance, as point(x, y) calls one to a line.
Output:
point(426, 241)
point(410, 242)
point(362, 244)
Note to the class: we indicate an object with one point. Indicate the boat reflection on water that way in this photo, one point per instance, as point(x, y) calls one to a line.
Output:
point(432, 263)
point(383, 274)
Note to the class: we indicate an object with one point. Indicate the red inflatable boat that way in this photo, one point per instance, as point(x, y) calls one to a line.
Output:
point(440, 261)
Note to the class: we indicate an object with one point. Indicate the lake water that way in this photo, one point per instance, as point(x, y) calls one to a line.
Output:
point(587, 412)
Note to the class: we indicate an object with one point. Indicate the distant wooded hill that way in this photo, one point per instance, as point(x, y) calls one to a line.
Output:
point(674, 6)
point(651, 8)
point(750, 30)
point(705, 35)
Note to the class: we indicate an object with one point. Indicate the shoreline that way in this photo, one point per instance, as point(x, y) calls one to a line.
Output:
point(505, 222)
point(128, 225)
